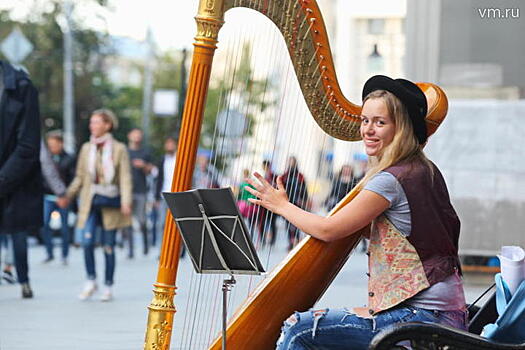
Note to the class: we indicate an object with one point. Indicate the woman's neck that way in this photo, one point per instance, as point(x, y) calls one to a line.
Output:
point(100, 139)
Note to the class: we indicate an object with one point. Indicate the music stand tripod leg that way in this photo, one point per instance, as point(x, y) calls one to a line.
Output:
point(226, 287)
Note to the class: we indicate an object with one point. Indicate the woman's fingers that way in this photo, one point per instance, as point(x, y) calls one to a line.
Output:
point(253, 191)
point(255, 184)
point(255, 201)
point(263, 181)
point(280, 185)
point(260, 185)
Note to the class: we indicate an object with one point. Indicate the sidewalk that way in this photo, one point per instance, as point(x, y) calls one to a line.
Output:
point(55, 319)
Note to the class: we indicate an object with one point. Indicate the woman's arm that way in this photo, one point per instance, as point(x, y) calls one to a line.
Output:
point(80, 172)
point(125, 183)
point(365, 207)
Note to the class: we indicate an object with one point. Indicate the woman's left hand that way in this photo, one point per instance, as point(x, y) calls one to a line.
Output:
point(273, 199)
point(125, 209)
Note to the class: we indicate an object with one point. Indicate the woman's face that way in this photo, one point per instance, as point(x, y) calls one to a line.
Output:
point(98, 126)
point(377, 126)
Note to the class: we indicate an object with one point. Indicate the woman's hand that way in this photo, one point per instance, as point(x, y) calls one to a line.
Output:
point(273, 199)
point(125, 209)
point(62, 202)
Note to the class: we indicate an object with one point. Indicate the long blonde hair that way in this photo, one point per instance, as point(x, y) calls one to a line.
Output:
point(404, 146)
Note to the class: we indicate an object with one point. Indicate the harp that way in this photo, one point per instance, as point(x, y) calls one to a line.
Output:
point(302, 27)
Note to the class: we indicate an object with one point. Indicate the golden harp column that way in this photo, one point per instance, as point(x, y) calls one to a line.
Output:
point(210, 19)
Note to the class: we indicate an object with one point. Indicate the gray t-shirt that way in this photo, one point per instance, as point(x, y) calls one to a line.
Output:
point(387, 186)
point(445, 295)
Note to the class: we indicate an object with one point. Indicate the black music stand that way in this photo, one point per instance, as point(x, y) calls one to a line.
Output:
point(215, 235)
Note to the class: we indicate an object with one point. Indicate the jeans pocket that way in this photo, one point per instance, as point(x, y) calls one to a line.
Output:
point(429, 315)
point(400, 314)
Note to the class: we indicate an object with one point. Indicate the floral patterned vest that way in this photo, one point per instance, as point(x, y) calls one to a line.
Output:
point(399, 266)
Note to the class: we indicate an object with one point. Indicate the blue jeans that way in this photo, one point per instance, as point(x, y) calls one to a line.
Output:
point(19, 240)
point(7, 245)
point(107, 239)
point(49, 207)
point(342, 329)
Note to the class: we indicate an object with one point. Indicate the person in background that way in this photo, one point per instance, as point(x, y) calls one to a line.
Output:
point(166, 169)
point(266, 221)
point(152, 209)
point(360, 166)
point(21, 197)
point(295, 185)
point(103, 180)
point(205, 174)
point(141, 166)
point(58, 168)
point(6, 259)
point(246, 208)
point(343, 183)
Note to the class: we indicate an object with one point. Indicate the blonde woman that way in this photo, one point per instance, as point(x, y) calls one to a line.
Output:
point(413, 261)
point(103, 180)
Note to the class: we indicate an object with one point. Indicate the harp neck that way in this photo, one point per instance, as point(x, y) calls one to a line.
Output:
point(302, 26)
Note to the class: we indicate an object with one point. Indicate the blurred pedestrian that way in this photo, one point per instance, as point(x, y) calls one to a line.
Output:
point(8, 261)
point(103, 180)
point(247, 209)
point(152, 209)
point(266, 221)
point(360, 166)
point(58, 168)
point(164, 179)
point(343, 183)
point(205, 174)
point(20, 177)
point(295, 185)
point(141, 166)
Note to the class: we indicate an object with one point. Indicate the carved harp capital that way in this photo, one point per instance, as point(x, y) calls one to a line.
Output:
point(210, 19)
point(160, 318)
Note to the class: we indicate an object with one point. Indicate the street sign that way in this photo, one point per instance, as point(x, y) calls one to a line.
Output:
point(232, 123)
point(165, 102)
point(16, 46)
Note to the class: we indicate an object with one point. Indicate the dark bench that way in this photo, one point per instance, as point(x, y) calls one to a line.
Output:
point(428, 336)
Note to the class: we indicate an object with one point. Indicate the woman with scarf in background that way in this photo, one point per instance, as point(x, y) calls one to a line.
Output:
point(103, 179)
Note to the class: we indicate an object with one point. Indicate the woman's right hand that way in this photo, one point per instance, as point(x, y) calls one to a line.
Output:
point(125, 209)
point(273, 199)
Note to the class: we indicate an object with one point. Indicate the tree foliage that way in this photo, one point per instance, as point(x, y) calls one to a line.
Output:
point(45, 66)
point(240, 91)
point(94, 89)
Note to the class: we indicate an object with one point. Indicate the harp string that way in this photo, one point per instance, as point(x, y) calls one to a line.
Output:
point(184, 331)
point(255, 221)
point(293, 184)
point(193, 318)
point(271, 133)
point(217, 149)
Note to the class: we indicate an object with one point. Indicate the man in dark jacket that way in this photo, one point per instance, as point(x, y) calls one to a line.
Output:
point(63, 165)
point(20, 178)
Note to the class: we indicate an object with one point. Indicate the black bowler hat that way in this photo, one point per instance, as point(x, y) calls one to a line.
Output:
point(409, 94)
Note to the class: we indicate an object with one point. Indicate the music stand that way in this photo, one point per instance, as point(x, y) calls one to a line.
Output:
point(215, 235)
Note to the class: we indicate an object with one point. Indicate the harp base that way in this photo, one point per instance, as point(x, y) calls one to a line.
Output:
point(160, 318)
